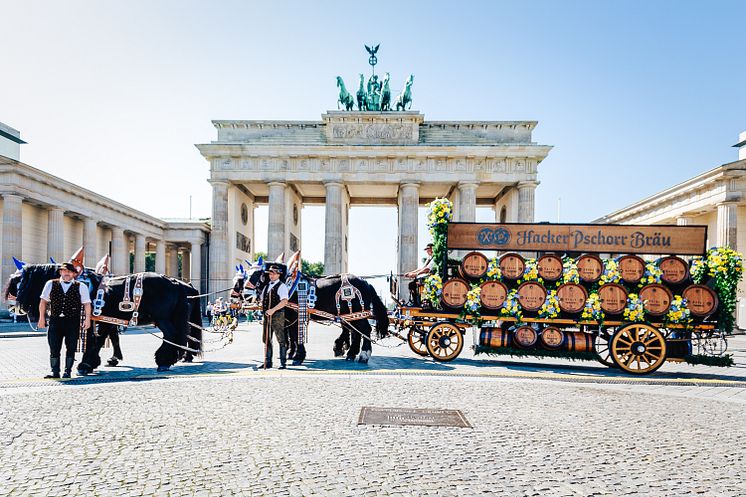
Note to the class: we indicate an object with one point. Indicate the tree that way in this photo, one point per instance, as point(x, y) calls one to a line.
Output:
point(315, 269)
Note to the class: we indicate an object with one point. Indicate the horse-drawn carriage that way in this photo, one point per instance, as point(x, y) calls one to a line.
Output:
point(576, 291)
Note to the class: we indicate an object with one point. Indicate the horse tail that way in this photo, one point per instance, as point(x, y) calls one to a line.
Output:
point(195, 318)
point(380, 313)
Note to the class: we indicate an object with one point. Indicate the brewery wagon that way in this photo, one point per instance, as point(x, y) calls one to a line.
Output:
point(630, 297)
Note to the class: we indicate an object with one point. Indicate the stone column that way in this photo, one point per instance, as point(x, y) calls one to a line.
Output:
point(276, 224)
point(683, 221)
point(139, 264)
point(727, 222)
point(160, 256)
point(409, 202)
point(467, 202)
point(334, 229)
point(526, 191)
point(12, 233)
point(173, 261)
point(120, 261)
point(219, 276)
point(186, 264)
point(195, 266)
point(56, 234)
point(90, 241)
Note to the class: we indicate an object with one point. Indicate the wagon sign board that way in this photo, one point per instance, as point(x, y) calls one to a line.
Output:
point(593, 238)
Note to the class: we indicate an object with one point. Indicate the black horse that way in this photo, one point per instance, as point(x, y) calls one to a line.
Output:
point(326, 301)
point(165, 302)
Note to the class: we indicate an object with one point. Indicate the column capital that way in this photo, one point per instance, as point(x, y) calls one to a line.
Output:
point(728, 203)
point(12, 196)
point(277, 183)
point(333, 183)
point(467, 184)
point(219, 182)
point(410, 184)
point(528, 184)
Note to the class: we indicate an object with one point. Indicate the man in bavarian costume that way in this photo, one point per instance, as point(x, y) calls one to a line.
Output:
point(103, 267)
point(274, 300)
point(67, 299)
point(420, 274)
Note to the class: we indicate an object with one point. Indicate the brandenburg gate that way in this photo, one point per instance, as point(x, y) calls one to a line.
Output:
point(361, 158)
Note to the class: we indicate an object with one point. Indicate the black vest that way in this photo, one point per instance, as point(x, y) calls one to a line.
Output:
point(68, 303)
point(272, 297)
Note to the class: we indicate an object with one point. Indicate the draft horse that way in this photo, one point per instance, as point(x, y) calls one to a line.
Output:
point(165, 303)
point(326, 301)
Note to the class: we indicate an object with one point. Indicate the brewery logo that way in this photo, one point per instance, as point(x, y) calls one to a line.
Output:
point(489, 236)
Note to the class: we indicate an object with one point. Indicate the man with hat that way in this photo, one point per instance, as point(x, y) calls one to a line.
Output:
point(419, 275)
point(274, 299)
point(66, 299)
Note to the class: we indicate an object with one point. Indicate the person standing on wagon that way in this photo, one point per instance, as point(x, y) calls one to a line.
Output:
point(274, 300)
point(67, 299)
point(420, 274)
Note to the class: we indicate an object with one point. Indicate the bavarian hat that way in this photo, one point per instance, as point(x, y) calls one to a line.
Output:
point(69, 266)
point(428, 246)
point(274, 268)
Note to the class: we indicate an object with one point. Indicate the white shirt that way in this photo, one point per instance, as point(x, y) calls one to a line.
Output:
point(282, 291)
point(85, 297)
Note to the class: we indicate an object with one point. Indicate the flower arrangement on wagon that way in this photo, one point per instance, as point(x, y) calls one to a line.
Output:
point(433, 289)
point(652, 274)
point(592, 310)
point(611, 272)
point(531, 272)
point(570, 271)
point(473, 305)
point(678, 313)
point(725, 266)
point(512, 306)
point(635, 310)
point(550, 308)
point(493, 270)
point(439, 215)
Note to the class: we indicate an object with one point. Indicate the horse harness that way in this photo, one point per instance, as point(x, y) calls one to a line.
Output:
point(126, 305)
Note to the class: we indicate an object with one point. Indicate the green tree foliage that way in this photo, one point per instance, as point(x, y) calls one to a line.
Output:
point(315, 269)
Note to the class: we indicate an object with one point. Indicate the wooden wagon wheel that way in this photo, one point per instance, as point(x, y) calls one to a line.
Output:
point(444, 341)
point(416, 339)
point(638, 348)
point(602, 348)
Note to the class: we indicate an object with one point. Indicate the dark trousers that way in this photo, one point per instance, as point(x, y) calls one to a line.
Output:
point(63, 330)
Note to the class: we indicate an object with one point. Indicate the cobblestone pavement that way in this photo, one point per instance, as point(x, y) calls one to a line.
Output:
point(223, 427)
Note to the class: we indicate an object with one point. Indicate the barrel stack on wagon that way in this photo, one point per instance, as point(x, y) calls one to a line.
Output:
point(629, 296)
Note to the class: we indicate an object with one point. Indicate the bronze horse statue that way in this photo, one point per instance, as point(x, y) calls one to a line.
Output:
point(405, 97)
point(344, 96)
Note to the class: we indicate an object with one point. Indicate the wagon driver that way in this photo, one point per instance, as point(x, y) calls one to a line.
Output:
point(274, 300)
point(419, 275)
point(66, 299)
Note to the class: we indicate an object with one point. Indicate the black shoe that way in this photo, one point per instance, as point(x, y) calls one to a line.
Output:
point(52, 376)
point(282, 367)
point(66, 374)
point(112, 362)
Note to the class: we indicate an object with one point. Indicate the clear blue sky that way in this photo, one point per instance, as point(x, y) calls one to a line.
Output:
point(634, 96)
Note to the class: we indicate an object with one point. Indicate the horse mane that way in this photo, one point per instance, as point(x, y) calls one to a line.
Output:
point(32, 282)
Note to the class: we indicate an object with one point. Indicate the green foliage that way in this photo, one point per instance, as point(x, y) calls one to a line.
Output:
point(315, 269)
point(725, 361)
point(516, 352)
point(150, 262)
point(724, 268)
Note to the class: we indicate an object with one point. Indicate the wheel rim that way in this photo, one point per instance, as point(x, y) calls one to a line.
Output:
point(603, 349)
point(638, 348)
point(416, 339)
point(444, 342)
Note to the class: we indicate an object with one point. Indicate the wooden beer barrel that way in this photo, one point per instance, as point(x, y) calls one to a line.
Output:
point(613, 298)
point(454, 293)
point(552, 337)
point(493, 294)
point(572, 297)
point(512, 266)
point(578, 341)
point(590, 268)
point(675, 270)
point(525, 336)
point(531, 295)
point(549, 267)
point(474, 265)
point(657, 299)
point(701, 300)
point(631, 268)
point(494, 337)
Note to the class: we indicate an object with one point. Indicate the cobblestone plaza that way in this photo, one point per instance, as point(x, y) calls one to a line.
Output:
point(225, 427)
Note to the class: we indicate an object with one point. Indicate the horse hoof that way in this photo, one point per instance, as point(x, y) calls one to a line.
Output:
point(364, 356)
point(362, 361)
point(161, 369)
point(350, 358)
point(338, 352)
point(188, 359)
point(297, 363)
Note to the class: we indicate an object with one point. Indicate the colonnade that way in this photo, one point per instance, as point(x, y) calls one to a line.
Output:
point(123, 241)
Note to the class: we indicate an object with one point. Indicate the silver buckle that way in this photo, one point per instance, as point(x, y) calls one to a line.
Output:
point(126, 306)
